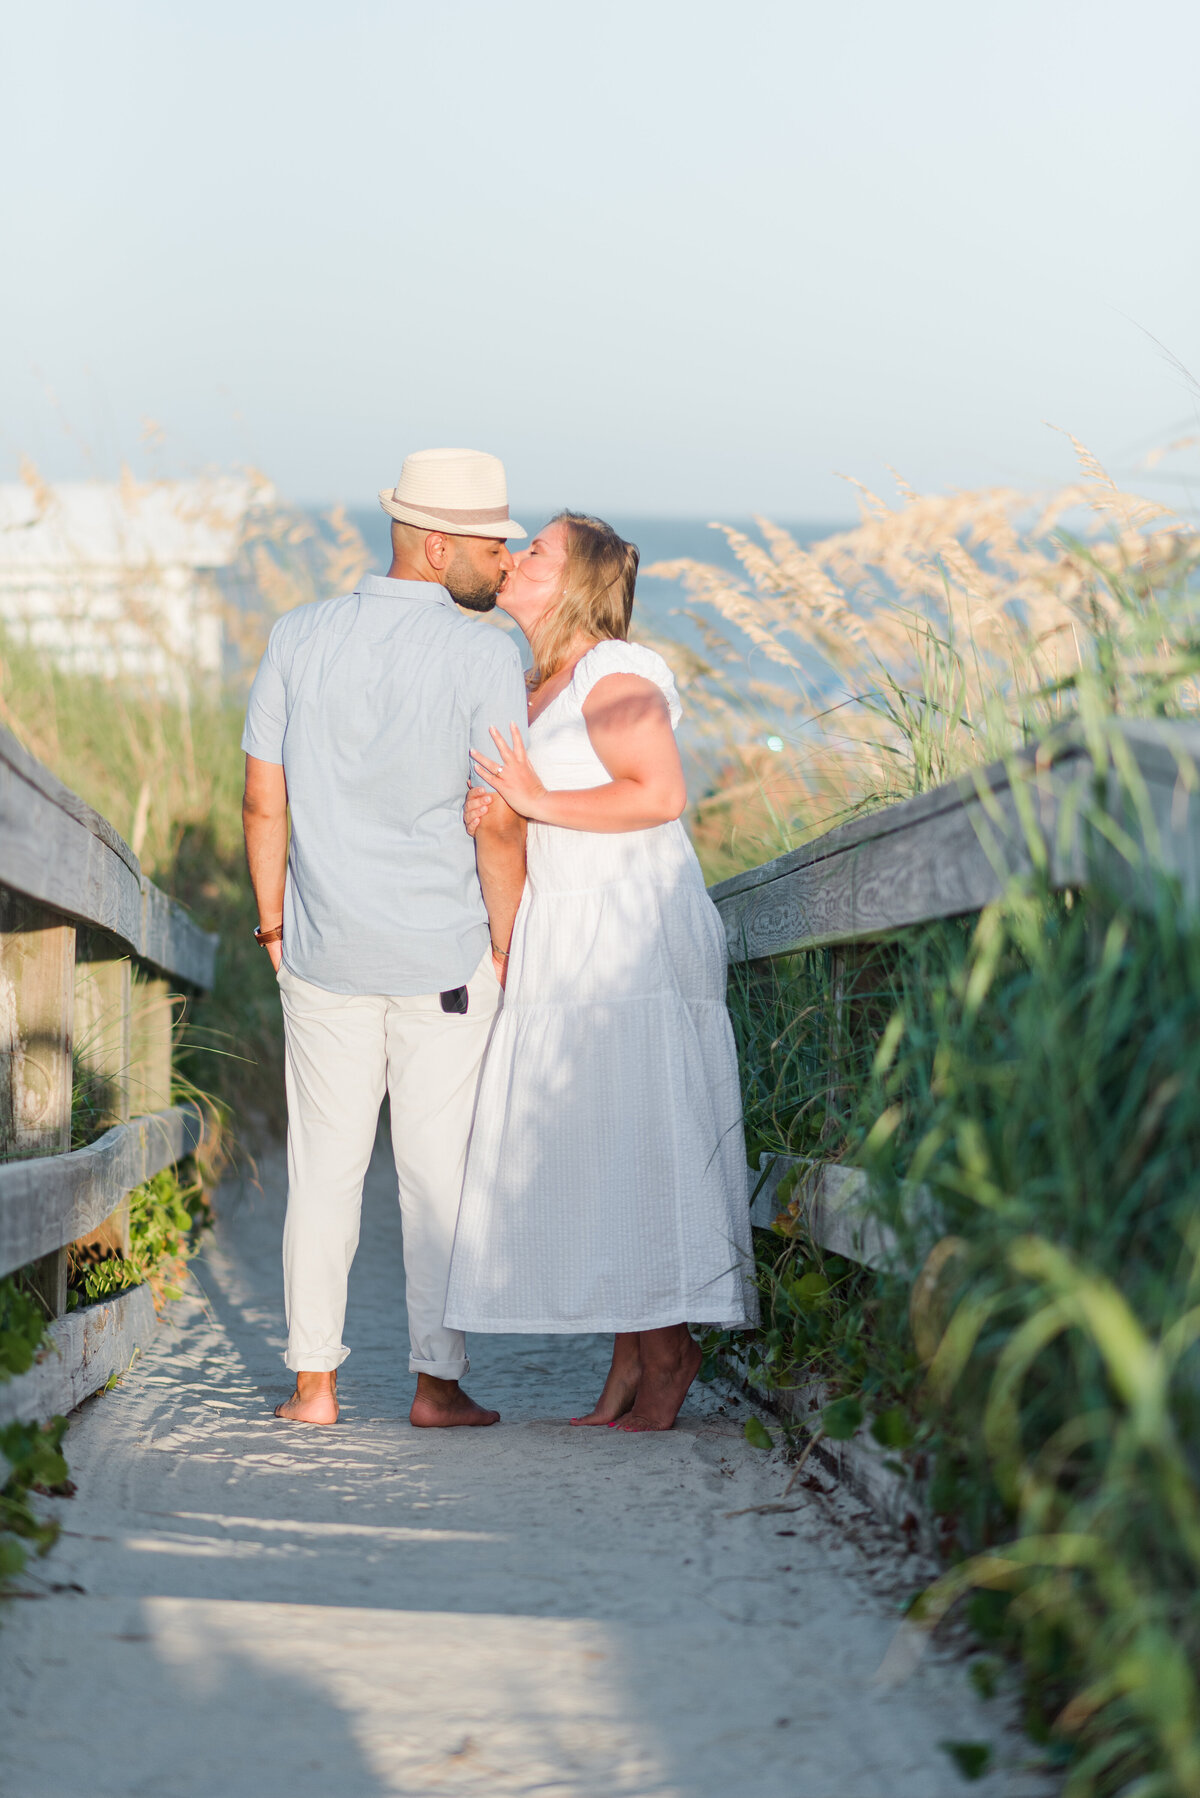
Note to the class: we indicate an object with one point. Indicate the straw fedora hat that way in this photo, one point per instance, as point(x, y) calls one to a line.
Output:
point(462, 492)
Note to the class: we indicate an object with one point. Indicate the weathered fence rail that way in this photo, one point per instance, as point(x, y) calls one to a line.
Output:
point(92, 955)
point(1120, 814)
point(953, 850)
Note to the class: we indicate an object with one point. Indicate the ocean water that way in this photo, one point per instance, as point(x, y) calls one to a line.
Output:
point(659, 604)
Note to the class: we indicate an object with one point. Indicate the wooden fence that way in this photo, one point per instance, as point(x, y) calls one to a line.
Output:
point(91, 957)
point(1121, 817)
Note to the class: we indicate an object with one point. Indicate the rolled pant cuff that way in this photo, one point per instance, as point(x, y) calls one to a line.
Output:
point(327, 1363)
point(440, 1370)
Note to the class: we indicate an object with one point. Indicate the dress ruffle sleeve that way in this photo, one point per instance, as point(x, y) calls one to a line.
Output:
point(613, 657)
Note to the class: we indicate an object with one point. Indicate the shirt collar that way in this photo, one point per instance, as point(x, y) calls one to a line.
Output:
point(382, 586)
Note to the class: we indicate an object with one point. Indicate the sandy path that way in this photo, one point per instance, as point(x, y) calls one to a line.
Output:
point(268, 1612)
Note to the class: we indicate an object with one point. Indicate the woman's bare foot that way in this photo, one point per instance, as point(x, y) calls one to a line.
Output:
point(443, 1405)
point(314, 1400)
point(670, 1362)
point(620, 1388)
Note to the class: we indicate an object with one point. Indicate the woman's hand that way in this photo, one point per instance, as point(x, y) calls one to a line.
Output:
point(476, 809)
point(513, 776)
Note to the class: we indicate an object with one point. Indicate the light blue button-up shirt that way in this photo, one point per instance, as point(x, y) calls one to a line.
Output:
point(372, 703)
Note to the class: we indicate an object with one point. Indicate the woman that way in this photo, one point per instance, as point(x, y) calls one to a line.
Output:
point(606, 1183)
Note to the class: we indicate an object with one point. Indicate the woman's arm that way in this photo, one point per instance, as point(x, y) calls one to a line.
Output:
point(629, 727)
point(500, 861)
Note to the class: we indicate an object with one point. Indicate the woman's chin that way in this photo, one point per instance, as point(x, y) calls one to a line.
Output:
point(509, 611)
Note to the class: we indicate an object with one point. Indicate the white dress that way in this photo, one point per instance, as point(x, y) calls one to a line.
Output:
point(606, 1185)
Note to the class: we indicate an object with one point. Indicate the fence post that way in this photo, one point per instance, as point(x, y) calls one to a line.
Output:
point(151, 1024)
point(103, 1046)
point(37, 994)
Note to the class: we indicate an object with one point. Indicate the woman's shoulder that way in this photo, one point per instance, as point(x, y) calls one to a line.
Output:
point(615, 656)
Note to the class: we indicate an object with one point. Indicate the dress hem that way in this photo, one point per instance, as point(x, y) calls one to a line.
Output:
point(509, 1326)
point(671, 995)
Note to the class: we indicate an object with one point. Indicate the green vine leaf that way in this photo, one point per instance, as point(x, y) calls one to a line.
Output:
point(840, 1419)
point(757, 1433)
point(892, 1429)
point(971, 1758)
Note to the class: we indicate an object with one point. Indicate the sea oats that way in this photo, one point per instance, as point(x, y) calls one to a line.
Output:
point(934, 634)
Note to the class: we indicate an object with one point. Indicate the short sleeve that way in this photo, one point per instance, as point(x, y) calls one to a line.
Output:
point(266, 713)
point(615, 657)
point(498, 698)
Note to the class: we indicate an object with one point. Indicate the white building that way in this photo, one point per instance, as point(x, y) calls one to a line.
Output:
point(131, 578)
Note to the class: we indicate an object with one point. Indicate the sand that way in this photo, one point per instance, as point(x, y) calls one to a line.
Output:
point(239, 1608)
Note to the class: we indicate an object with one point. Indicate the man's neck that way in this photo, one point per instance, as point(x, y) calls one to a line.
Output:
point(401, 570)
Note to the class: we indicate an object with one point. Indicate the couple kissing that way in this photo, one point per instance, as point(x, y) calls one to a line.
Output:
point(479, 898)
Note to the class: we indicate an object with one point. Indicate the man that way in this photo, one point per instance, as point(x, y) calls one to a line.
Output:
point(387, 929)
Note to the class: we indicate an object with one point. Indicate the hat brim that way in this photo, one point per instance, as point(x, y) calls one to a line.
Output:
point(426, 521)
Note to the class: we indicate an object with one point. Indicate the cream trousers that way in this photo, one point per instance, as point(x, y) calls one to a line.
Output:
point(343, 1053)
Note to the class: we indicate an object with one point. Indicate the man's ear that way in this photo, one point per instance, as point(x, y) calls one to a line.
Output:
point(437, 550)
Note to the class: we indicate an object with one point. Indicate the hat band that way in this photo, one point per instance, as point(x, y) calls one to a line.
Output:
point(456, 514)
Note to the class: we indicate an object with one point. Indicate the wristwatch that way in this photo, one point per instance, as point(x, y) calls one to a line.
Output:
point(263, 937)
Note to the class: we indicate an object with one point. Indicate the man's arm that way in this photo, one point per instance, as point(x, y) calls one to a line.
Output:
point(264, 822)
point(500, 861)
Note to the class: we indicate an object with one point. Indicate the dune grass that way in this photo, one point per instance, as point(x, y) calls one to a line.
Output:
point(166, 770)
point(933, 637)
point(161, 760)
point(1036, 1069)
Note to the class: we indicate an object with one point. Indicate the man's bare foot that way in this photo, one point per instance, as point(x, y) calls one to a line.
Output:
point(443, 1405)
point(670, 1362)
point(620, 1388)
point(314, 1400)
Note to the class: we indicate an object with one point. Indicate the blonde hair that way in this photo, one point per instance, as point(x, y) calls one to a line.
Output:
point(597, 598)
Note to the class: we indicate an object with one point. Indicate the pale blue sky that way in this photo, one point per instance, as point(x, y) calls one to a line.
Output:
point(662, 255)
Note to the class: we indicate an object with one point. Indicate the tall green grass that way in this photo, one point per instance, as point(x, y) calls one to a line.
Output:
point(1042, 1078)
point(161, 760)
point(1036, 1070)
point(166, 769)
